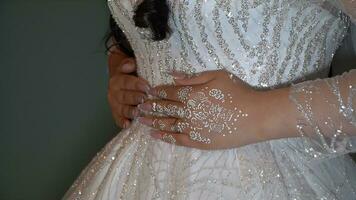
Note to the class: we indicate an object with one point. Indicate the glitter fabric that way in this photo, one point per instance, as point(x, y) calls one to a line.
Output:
point(327, 135)
point(265, 43)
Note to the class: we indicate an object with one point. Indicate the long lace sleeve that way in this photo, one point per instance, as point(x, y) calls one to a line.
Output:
point(327, 114)
point(347, 7)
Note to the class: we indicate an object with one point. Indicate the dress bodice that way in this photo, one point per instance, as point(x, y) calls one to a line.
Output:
point(265, 43)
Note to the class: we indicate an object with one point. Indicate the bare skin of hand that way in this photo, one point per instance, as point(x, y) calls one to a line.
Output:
point(125, 91)
point(215, 110)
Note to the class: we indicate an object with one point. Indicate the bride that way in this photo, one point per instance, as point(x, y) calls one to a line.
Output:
point(231, 108)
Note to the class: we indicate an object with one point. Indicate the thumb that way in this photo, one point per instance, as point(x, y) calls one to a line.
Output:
point(128, 66)
point(185, 79)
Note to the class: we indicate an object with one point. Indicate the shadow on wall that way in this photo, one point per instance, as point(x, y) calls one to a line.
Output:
point(53, 80)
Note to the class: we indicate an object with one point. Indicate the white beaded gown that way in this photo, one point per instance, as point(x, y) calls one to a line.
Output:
point(267, 44)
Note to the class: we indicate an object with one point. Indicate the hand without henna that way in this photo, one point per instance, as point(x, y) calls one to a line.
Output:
point(125, 91)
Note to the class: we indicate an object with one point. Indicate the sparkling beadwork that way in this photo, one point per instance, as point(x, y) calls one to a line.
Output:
point(266, 44)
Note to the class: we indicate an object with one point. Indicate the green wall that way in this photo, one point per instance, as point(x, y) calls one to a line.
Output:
point(54, 114)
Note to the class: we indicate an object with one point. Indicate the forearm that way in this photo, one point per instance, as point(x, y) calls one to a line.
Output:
point(320, 109)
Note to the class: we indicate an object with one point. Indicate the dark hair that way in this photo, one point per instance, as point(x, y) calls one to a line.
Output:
point(152, 14)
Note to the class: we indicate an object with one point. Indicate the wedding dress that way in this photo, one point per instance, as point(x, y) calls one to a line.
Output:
point(267, 44)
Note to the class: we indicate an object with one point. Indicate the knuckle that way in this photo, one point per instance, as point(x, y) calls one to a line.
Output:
point(124, 97)
point(135, 99)
point(137, 84)
point(114, 83)
point(140, 98)
point(125, 84)
point(111, 98)
point(130, 99)
point(117, 96)
point(121, 97)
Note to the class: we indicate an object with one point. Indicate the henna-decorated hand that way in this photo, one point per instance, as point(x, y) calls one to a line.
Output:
point(212, 110)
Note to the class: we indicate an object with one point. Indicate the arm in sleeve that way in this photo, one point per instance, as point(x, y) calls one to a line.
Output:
point(326, 114)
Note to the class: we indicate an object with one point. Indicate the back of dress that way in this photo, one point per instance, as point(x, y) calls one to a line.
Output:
point(265, 43)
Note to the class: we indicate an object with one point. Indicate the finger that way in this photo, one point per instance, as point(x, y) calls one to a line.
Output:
point(166, 124)
point(177, 139)
point(127, 111)
point(126, 123)
point(122, 110)
point(129, 97)
point(114, 49)
point(129, 82)
point(114, 61)
point(128, 65)
point(167, 108)
point(172, 138)
point(120, 121)
point(197, 137)
point(196, 79)
point(171, 92)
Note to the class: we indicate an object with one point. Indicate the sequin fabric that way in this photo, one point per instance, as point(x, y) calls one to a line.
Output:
point(267, 44)
point(334, 133)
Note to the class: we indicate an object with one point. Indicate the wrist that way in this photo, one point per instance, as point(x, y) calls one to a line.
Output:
point(278, 114)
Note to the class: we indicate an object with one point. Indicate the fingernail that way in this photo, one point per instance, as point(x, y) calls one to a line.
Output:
point(127, 66)
point(135, 112)
point(145, 121)
point(141, 99)
point(152, 92)
point(126, 124)
point(144, 88)
point(155, 135)
point(145, 107)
